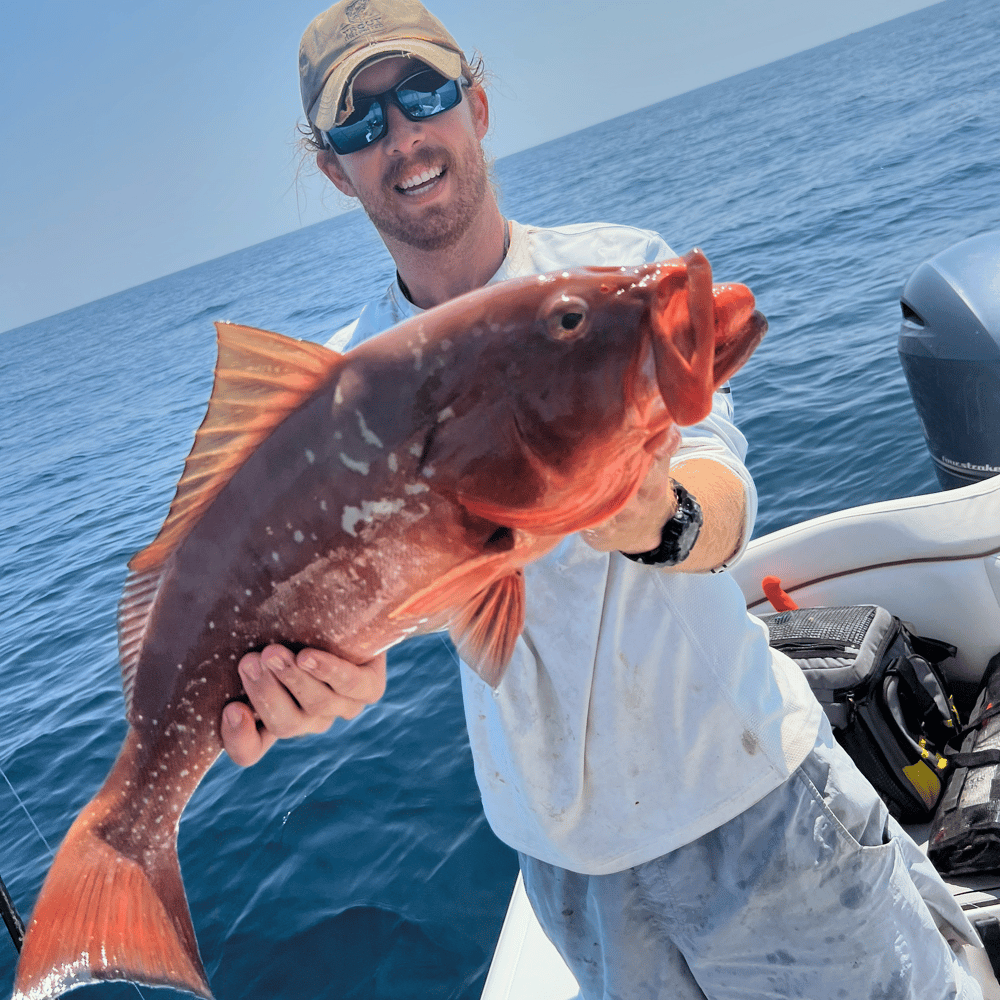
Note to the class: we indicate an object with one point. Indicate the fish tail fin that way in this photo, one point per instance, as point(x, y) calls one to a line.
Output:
point(103, 915)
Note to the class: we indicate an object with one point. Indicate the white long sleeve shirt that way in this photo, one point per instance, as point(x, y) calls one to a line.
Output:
point(641, 709)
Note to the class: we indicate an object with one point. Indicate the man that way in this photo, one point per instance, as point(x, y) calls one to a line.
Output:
point(685, 824)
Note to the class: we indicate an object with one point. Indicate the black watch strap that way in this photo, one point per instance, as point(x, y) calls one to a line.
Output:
point(679, 533)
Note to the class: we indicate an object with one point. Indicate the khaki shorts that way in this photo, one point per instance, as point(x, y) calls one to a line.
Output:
point(814, 892)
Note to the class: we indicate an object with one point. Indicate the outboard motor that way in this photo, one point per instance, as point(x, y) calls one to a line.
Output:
point(949, 347)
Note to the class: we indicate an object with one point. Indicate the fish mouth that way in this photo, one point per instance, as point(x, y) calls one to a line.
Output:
point(703, 334)
point(758, 325)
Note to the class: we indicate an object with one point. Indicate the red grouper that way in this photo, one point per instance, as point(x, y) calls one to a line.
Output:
point(346, 502)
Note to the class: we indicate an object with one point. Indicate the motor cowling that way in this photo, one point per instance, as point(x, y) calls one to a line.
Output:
point(949, 347)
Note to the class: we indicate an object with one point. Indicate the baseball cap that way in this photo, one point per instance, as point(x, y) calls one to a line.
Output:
point(354, 33)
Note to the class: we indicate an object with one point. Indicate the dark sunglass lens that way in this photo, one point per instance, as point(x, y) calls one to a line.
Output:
point(428, 94)
point(360, 130)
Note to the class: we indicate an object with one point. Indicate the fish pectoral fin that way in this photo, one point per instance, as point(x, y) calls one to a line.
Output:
point(486, 629)
point(438, 602)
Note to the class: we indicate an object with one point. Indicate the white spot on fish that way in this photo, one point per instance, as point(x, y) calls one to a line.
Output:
point(236, 608)
point(369, 436)
point(428, 471)
point(413, 488)
point(392, 462)
point(249, 593)
point(354, 465)
point(211, 624)
point(368, 511)
point(310, 456)
point(322, 505)
point(415, 450)
point(338, 396)
point(275, 557)
point(445, 345)
point(446, 414)
point(299, 537)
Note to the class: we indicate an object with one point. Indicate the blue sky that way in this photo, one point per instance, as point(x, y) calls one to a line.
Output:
point(140, 137)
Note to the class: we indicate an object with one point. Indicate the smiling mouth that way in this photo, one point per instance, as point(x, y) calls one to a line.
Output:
point(421, 180)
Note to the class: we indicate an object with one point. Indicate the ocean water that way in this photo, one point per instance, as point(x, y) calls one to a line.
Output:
point(358, 863)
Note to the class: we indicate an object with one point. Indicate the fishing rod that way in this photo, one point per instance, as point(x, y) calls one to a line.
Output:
point(11, 917)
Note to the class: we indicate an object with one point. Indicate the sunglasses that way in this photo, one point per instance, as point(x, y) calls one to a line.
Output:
point(423, 95)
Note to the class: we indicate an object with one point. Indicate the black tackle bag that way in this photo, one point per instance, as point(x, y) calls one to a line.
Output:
point(883, 693)
point(965, 835)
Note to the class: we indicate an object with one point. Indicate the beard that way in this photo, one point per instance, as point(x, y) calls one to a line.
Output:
point(439, 226)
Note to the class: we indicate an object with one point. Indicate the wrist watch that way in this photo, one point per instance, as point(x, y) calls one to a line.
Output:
point(679, 533)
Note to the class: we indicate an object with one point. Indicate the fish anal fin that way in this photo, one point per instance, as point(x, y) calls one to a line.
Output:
point(487, 628)
point(102, 915)
point(260, 378)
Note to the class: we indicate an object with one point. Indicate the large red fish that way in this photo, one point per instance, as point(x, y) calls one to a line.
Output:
point(345, 502)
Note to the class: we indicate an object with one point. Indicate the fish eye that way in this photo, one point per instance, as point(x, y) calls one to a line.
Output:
point(565, 317)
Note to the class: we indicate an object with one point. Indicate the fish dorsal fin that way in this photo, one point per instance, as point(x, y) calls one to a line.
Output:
point(486, 629)
point(260, 378)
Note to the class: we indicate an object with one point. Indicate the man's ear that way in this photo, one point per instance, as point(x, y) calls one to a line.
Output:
point(480, 107)
point(327, 161)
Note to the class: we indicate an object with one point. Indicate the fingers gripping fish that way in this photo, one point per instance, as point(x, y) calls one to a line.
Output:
point(346, 502)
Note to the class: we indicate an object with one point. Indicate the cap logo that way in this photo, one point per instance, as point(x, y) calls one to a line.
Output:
point(360, 21)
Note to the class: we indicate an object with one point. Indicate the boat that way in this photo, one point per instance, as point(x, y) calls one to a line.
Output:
point(932, 560)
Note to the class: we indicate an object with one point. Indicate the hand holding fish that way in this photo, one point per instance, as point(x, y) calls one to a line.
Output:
point(295, 696)
point(637, 526)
